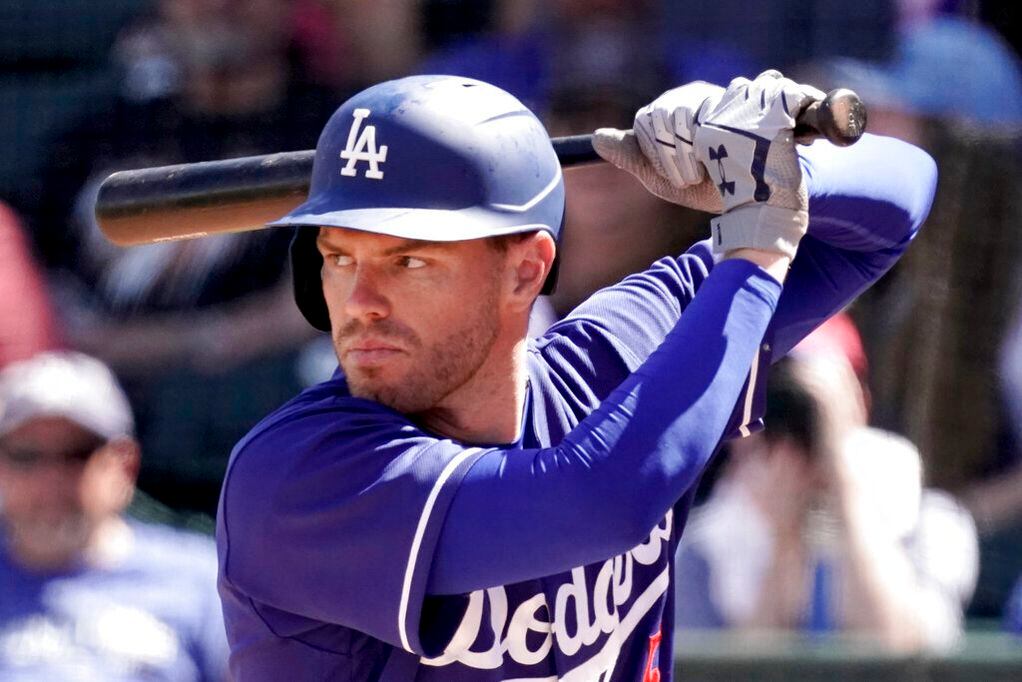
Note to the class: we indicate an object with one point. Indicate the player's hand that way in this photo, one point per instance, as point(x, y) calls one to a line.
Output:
point(666, 128)
point(658, 150)
point(742, 138)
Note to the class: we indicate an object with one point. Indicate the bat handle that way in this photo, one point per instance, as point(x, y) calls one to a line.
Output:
point(575, 150)
point(840, 117)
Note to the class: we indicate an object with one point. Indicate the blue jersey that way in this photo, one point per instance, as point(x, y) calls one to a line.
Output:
point(355, 545)
point(152, 614)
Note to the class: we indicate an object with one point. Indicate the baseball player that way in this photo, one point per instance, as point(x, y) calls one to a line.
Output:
point(459, 503)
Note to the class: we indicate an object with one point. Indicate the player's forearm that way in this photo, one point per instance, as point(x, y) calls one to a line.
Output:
point(616, 475)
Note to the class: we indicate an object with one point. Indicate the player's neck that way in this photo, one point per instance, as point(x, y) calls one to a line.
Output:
point(486, 410)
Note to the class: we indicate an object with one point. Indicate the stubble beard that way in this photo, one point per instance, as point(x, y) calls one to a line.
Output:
point(438, 370)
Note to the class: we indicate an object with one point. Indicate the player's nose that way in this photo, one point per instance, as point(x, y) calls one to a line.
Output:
point(366, 299)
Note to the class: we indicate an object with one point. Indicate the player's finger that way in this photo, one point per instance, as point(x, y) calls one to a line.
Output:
point(666, 145)
point(656, 141)
point(691, 171)
point(621, 148)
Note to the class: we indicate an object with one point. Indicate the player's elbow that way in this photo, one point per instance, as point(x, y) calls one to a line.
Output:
point(890, 199)
point(906, 192)
point(919, 200)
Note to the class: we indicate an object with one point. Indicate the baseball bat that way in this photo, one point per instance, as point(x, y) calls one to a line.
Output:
point(192, 200)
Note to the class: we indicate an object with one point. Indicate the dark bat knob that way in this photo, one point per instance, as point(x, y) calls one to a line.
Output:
point(840, 117)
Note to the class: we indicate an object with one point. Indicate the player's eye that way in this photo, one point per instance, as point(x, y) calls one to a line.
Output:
point(340, 260)
point(411, 262)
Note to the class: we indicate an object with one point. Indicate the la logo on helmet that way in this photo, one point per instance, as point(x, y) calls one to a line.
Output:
point(362, 147)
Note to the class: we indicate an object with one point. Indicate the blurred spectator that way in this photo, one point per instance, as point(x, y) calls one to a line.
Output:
point(713, 40)
point(942, 67)
point(84, 592)
point(1013, 610)
point(203, 333)
point(27, 324)
point(996, 502)
point(821, 523)
point(351, 44)
point(613, 227)
point(384, 37)
point(1001, 16)
point(201, 79)
point(575, 51)
point(939, 335)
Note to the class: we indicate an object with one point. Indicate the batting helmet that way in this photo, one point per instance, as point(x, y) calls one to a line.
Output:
point(439, 158)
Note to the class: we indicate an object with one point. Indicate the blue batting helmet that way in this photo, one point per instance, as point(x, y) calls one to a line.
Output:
point(439, 158)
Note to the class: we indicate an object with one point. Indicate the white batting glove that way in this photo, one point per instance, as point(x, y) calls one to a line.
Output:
point(658, 150)
point(742, 138)
point(665, 130)
point(746, 142)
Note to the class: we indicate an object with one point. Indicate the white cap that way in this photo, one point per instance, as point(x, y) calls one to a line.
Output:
point(64, 384)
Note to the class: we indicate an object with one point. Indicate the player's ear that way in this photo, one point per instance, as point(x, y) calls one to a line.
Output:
point(529, 261)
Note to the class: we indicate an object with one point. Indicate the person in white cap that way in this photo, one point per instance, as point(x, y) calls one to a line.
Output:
point(86, 593)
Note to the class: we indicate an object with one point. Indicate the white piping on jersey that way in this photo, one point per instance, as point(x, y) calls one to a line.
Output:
point(522, 208)
point(413, 553)
point(743, 429)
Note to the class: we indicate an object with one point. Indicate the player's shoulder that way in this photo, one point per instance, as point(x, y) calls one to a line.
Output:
point(325, 408)
point(324, 420)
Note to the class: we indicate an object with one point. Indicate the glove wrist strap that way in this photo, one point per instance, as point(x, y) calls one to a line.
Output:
point(759, 226)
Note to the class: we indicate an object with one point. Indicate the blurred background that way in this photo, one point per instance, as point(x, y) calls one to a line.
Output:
point(205, 340)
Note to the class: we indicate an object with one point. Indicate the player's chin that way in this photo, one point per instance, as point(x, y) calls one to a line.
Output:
point(374, 384)
point(397, 398)
point(399, 391)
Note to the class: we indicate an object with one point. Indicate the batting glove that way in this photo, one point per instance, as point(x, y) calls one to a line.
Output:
point(658, 150)
point(728, 151)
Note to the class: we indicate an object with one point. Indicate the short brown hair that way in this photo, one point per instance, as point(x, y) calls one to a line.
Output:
point(501, 243)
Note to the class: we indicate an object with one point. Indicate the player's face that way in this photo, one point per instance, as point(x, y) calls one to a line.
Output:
point(58, 483)
point(411, 321)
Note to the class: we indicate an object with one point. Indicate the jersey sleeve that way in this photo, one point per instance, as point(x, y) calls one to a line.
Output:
point(345, 532)
point(614, 331)
point(345, 513)
point(866, 204)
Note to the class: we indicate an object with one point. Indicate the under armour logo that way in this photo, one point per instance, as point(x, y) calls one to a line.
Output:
point(717, 155)
point(364, 149)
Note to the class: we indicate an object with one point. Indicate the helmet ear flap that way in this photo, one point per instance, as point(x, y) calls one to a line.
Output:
point(306, 266)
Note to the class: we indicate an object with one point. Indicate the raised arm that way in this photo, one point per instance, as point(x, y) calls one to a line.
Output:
point(866, 203)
